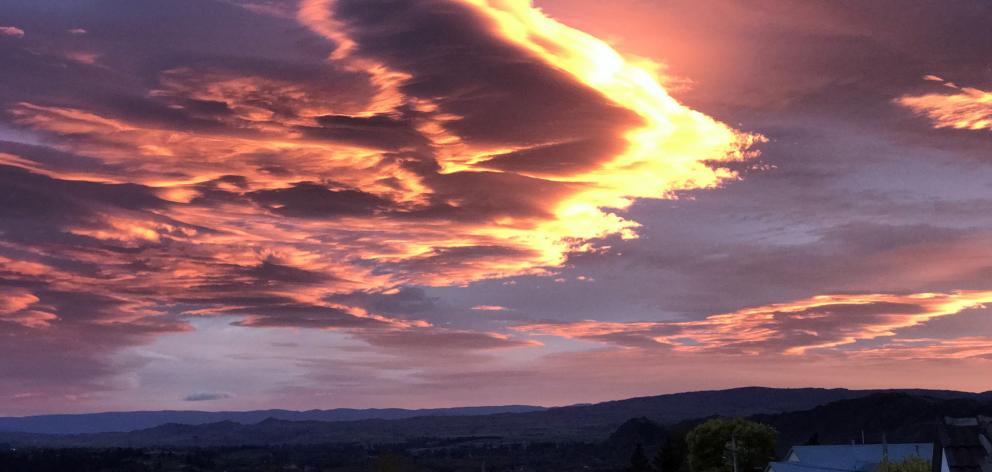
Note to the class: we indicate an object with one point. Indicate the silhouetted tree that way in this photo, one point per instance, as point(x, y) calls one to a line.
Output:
point(639, 461)
point(658, 462)
point(671, 455)
point(389, 462)
point(710, 445)
point(814, 440)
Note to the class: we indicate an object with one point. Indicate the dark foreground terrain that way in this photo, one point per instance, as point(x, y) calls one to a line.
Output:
point(599, 437)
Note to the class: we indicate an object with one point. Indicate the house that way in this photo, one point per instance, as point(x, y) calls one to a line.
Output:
point(963, 445)
point(848, 458)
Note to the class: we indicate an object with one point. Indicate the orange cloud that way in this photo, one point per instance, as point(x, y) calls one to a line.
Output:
point(794, 328)
point(967, 108)
point(16, 306)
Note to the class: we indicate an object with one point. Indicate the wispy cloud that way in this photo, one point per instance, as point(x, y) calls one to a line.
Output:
point(489, 308)
point(825, 322)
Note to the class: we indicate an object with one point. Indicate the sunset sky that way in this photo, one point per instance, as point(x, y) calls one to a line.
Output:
point(242, 204)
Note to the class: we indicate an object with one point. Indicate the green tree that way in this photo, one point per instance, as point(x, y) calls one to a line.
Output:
point(389, 462)
point(639, 461)
point(712, 445)
point(671, 454)
point(910, 464)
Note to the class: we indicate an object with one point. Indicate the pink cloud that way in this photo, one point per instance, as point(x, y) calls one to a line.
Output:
point(826, 322)
point(489, 308)
point(20, 306)
point(11, 31)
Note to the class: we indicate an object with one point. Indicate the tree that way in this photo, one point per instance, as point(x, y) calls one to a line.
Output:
point(389, 462)
point(713, 445)
point(910, 464)
point(671, 454)
point(639, 461)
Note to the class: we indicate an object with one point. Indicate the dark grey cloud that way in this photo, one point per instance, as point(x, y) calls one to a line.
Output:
point(301, 316)
point(206, 396)
point(311, 200)
point(558, 158)
point(379, 132)
point(481, 74)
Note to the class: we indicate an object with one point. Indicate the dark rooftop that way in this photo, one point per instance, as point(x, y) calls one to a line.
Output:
point(966, 444)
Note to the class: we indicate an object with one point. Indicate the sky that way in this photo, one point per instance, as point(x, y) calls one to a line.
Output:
point(244, 204)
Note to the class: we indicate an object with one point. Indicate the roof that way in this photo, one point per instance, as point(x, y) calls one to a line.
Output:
point(795, 467)
point(961, 440)
point(856, 457)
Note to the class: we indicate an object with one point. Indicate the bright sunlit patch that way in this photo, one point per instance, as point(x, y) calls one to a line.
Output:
point(967, 108)
point(667, 154)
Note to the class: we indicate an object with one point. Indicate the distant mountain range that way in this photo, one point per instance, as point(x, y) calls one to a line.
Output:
point(836, 415)
point(124, 421)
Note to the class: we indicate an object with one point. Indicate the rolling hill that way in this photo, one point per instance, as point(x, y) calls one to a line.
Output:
point(833, 413)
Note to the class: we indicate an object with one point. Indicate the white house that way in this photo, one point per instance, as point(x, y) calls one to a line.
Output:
point(848, 458)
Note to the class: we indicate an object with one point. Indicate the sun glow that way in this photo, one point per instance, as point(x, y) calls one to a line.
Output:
point(666, 154)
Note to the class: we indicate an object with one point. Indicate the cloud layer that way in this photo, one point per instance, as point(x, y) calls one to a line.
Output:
point(364, 198)
point(425, 143)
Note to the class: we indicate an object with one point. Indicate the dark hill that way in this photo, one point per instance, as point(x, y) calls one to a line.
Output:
point(590, 423)
point(136, 420)
point(901, 418)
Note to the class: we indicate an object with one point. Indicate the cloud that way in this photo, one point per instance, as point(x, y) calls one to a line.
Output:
point(334, 168)
point(207, 396)
point(305, 316)
point(824, 322)
point(11, 31)
point(966, 108)
point(193, 181)
point(489, 308)
point(916, 349)
point(307, 199)
point(432, 341)
point(16, 306)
